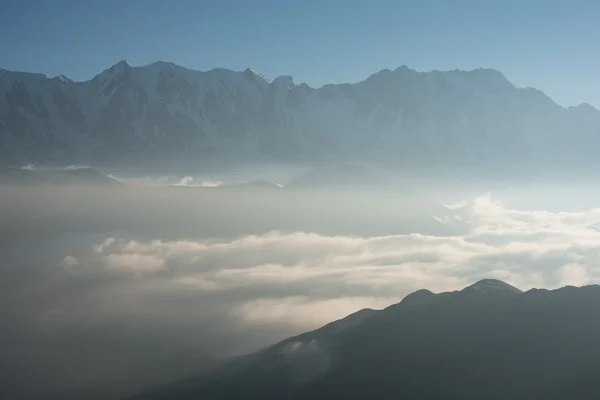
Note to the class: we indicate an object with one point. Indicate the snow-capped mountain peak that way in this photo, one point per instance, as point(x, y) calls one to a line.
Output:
point(163, 112)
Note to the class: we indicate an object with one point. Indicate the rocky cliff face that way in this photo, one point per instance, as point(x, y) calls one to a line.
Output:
point(166, 113)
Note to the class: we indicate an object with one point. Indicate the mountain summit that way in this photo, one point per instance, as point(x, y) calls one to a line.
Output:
point(165, 114)
point(492, 286)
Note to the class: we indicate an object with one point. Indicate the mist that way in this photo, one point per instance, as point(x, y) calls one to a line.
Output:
point(95, 277)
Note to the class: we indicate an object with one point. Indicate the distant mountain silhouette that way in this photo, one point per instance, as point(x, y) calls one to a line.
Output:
point(255, 185)
point(252, 185)
point(164, 115)
point(79, 176)
point(488, 341)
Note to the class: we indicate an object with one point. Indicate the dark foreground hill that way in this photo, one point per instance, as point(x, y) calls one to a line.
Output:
point(126, 380)
point(488, 341)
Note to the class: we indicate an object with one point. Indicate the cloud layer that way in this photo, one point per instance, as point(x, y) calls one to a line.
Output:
point(307, 279)
point(124, 295)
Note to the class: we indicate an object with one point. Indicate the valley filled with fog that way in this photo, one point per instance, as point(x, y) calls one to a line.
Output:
point(96, 276)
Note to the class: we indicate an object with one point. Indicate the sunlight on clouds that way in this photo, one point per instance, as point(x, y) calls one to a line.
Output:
point(306, 278)
point(304, 312)
point(100, 248)
point(133, 262)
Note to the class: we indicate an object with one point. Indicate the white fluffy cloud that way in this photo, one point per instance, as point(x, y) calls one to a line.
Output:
point(70, 261)
point(307, 279)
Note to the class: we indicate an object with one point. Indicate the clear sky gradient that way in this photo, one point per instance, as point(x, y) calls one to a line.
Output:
point(550, 45)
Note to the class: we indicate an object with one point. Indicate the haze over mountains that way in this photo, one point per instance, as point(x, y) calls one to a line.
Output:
point(422, 223)
point(166, 115)
point(251, 210)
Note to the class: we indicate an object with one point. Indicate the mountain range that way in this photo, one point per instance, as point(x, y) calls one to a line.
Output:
point(71, 176)
point(487, 341)
point(163, 114)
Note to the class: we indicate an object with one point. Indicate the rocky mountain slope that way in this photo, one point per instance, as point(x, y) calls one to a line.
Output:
point(489, 340)
point(166, 114)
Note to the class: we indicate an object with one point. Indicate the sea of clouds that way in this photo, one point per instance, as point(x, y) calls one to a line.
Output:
point(114, 291)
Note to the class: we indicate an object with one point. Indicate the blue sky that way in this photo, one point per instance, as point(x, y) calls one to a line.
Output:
point(550, 45)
